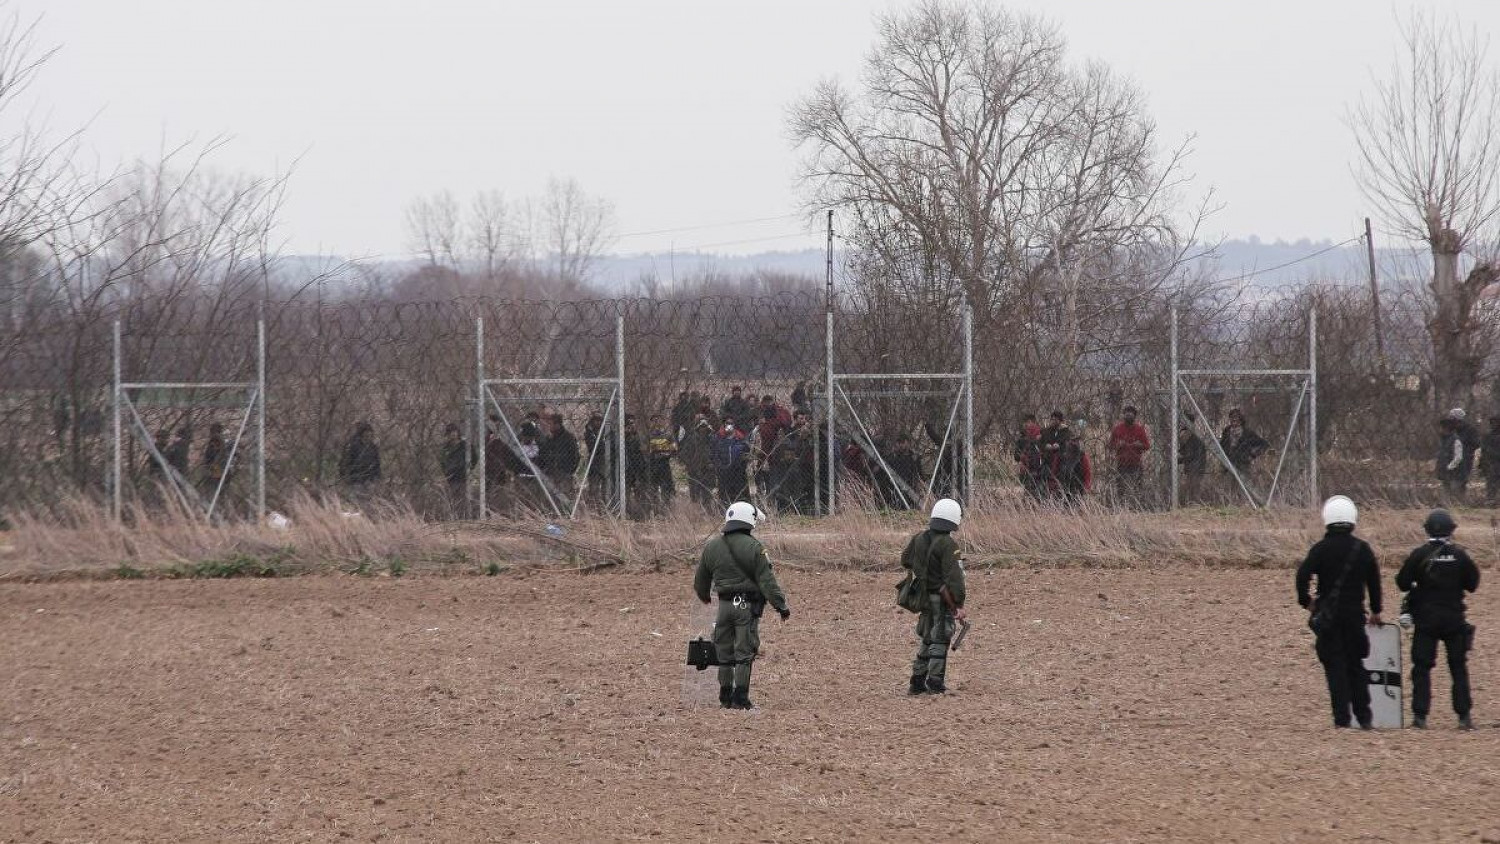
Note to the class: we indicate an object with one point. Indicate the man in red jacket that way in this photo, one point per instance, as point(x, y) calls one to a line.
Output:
point(1128, 442)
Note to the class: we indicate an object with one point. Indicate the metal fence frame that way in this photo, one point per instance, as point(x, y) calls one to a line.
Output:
point(485, 396)
point(963, 399)
point(255, 406)
point(1307, 394)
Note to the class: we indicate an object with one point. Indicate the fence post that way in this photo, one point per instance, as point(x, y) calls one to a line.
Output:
point(968, 467)
point(481, 506)
point(116, 493)
point(1173, 499)
point(620, 410)
point(260, 418)
point(1312, 407)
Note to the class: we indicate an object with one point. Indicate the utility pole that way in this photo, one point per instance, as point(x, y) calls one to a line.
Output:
point(1375, 298)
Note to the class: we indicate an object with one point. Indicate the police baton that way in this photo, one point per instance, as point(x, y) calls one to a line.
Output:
point(963, 630)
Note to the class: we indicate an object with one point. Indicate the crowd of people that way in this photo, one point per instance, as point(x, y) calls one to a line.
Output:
point(745, 447)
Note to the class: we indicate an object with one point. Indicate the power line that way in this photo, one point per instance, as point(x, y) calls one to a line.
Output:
point(1308, 257)
point(703, 226)
point(746, 240)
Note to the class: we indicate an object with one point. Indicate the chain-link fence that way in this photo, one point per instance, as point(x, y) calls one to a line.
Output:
point(355, 380)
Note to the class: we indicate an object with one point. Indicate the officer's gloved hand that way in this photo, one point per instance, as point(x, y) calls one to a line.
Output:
point(785, 614)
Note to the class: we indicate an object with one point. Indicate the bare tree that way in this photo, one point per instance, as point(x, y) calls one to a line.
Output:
point(974, 155)
point(434, 227)
point(577, 227)
point(1429, 160)
point(491, 233)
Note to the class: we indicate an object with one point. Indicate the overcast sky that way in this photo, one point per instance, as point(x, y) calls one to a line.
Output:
point(673, 110)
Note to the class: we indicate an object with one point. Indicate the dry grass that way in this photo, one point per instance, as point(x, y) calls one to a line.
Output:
point(79, 539)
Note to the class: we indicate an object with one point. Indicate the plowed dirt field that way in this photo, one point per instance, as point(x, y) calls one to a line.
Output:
point(1089, 705)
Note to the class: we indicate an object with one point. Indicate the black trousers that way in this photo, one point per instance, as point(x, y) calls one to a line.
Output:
point(1342, 651)
point(1455, 639)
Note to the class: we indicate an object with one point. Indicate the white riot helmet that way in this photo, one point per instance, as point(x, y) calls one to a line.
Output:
point(742, 515)
point(946, 515)
point(1340, 510)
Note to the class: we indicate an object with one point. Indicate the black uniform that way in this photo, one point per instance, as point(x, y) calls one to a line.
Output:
point(1343, 646)
point(1438, 574)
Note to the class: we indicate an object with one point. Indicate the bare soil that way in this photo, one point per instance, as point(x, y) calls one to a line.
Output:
point(1119, 705)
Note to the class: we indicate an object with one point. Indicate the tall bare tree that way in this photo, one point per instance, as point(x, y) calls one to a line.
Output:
point(973, 158)
point(434, 227)
point(576, 227)
point(1429, 160)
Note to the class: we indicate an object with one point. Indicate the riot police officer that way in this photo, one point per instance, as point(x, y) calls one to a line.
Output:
point(1436, 575)
point(1346, 568)
point(934, 560)
point(735, 566)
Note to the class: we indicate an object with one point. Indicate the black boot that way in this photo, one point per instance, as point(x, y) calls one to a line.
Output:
point(726, 696)
point(1419, 722)
point(935, 686)
point(742, 699)
point(918, 685)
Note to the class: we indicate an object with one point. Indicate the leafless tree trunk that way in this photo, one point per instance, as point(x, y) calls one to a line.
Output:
point(434, 227)
point(1429, 160)
point(578, 227)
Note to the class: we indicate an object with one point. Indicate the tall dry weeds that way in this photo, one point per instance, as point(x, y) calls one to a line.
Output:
point(79, 538)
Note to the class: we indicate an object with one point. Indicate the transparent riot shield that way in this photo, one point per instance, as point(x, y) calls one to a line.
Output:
point(699, 688)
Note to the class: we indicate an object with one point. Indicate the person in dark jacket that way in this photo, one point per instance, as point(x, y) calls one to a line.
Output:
point(213, 460)
point(907, 466)
point(160, 442)
point(1455, 460)
point(180, 451)
point(737, 409)
point(735, 567)
point(557, 454)
point(359, 466)
point(599, 439)
point(1489, 462)
point(1436, 575)
point(1027, 452)
point(731, 459)
point(696, 454)
point(1345, 568)
point(1241, 444)
point(455, 462)
point(1192, 458)
point(660, 447)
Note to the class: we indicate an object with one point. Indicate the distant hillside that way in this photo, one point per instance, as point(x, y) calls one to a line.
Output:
point(1259, 263)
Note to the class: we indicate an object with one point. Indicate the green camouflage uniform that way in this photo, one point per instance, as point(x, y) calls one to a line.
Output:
point(744, 588)
point(944, 567)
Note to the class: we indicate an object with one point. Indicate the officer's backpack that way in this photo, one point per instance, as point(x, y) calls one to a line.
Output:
point(911, 592)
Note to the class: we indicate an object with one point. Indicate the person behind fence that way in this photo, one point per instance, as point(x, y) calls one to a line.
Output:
point(557, 454)
point(1489, 462)
point(1455, 461)
point(682, 414)
point(1072, 471)
point(1466, 429)
point(660, 448)
point(696, 451)
point(736, 409)
point(359, 465)
point(937, 570)
point(637, 473)
point(734, 566)
point(731, 459)
point(1192, 458)
point(1435, 577)
point(454, 460)
point(791, 466)
point(1345, 569)
point(1054, 436)
point(213, 460)
point(1128, 443)
point(180, 451)
point(1241, 445)
point(159, 442)
point(1027, 453)
point(906, 464)
point(600, 442)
